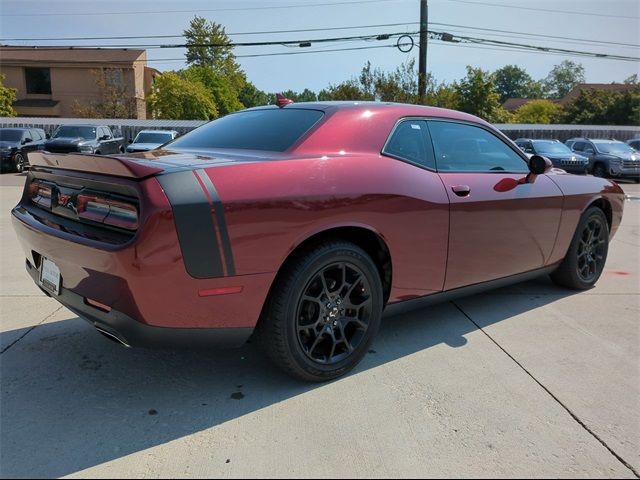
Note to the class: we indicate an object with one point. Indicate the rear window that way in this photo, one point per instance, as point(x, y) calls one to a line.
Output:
point(270, 129)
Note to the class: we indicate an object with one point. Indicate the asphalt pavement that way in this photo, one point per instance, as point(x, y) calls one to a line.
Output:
point(526, 381)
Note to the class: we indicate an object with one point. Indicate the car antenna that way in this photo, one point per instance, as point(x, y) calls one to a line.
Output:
point(282, 101)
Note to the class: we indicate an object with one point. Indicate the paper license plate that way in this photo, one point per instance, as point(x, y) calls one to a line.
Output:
point(50, 276)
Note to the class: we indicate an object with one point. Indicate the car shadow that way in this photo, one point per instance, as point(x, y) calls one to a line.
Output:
point(71, 400)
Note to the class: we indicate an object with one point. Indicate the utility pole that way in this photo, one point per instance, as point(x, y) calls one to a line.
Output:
point(422, 59)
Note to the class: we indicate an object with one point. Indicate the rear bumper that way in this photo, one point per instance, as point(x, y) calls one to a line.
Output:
point(132, 333)
point(142, 281)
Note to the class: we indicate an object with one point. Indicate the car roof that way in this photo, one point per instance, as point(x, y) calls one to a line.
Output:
point(390, 108)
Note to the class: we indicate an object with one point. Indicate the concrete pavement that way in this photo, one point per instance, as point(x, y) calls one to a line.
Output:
point(529, 380)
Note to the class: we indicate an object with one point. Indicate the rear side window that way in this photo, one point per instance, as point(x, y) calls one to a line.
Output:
point(269, 129)
point(410, 141)
point(466, 148)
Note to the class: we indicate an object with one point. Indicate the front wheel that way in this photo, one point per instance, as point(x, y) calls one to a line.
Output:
point(18, 163)
point(599, 171)
point(587, 254)
point(323, 312)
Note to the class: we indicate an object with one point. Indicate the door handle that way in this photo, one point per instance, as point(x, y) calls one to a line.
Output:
point(461, 190)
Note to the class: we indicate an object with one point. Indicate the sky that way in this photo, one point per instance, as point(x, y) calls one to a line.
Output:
point(613, 21)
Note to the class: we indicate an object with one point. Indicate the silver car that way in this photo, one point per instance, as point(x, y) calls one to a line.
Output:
point(149, 139)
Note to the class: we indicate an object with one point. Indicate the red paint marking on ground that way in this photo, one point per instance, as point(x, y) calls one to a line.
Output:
point(617, 272)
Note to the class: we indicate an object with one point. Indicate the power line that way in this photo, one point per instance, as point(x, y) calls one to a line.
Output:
point(548, 10)
point(235, 9)
point(375, 36)
point(540, 35)
point(299, 30)
point(499, 32)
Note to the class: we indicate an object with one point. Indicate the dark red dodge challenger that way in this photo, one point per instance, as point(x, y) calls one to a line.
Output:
point(302, 223)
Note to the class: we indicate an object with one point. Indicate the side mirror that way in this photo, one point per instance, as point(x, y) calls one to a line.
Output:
point(47, 136)
point(538, 165)
point(27, 140)
point(130, 141)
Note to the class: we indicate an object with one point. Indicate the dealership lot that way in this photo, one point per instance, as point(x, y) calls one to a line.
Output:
point(528, 380)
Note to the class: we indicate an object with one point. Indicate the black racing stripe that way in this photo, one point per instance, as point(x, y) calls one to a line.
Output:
point(222, 224)
point(194, 224)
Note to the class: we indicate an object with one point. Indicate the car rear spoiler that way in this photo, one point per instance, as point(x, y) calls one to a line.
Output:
point(103, 165)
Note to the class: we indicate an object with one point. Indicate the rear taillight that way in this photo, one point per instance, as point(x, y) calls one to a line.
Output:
point(40, 194)
point(107, 210)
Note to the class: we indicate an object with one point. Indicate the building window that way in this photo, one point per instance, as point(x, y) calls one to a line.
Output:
point(38, 80)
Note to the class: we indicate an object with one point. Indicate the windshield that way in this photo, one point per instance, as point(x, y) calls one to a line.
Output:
point(551, 147)
point(10, 135)
point(68, 131)
point(155, 137)
point(613, 147)
point(274, 130)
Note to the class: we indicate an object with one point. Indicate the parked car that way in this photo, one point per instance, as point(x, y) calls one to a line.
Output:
point(96, 139)
point(149, 139)
point(15, 144)
point(634, 143)
point(559, 154)
point(608, 158)
point(345, 209)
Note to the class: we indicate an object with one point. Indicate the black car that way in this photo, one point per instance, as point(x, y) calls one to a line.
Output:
point(559, 154)
point(608, 158)
point(93, 139)
point(634, 143)
point(16, 143)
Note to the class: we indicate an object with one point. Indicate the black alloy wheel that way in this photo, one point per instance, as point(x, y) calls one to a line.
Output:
point(323, 311)
point(585, 259)
point(18, 163)
point(333, 312)
point(592, 249)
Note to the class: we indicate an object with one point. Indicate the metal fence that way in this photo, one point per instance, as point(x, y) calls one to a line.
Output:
point(129, 128)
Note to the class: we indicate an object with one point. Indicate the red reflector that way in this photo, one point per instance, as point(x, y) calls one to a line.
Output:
point(219, 291)
point(98, 305)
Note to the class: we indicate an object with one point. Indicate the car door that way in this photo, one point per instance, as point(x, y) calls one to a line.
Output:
point(422, 252)
point(500, 224)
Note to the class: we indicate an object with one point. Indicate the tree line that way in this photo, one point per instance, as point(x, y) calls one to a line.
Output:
point(213, 84)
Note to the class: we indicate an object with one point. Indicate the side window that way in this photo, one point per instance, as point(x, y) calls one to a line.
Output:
point(578, 146)
point(107, 132)
point(528, 148)
point(35, 135)
point(410, 141)
point(465, 148)
point(588, 148)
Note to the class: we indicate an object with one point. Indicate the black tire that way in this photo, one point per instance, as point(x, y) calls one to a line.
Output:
point(18, 163)
point(599, 170)
point(587, 254)
point(315, 338)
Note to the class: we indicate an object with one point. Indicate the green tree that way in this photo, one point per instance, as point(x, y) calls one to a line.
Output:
point(602, 107)
point(401, 85)
point(209, 47)
point(442, 95)
point(537, 111)
point(115, 98)
point(177, 98)
point(347, 90)
point(512, 82)
point(224, 94)
point(305, 96)
point(7, 97)
point(250, 96)
point(478, 96)
point(563, 77)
